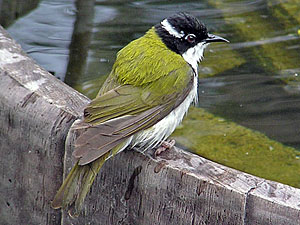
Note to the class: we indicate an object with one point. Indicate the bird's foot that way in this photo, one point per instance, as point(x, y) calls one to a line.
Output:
point(165, 145)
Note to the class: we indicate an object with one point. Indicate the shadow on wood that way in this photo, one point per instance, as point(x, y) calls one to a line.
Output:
point(36, 112)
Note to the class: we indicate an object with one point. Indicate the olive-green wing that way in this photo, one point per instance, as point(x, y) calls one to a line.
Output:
point(120, 101)
point(113, 117)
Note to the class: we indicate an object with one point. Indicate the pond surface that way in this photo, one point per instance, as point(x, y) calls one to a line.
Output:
point(253, 81)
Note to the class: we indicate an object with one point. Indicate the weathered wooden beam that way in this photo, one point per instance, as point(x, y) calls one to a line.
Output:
point(36, 112)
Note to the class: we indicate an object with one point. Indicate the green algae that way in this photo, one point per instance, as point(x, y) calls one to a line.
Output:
point(226, 60)
point(287, 12)
point(258, 27)
point(238, 147)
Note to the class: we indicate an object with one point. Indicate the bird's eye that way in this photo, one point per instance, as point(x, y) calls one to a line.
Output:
point(191, 38)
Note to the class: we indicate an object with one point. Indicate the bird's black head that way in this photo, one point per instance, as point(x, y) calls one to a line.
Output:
point(181, 32)
point(187, 36)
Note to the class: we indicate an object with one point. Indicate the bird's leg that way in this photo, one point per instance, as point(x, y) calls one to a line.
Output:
point(165, 145)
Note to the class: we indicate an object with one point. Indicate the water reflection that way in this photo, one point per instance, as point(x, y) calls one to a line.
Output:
point(13, 9)
point(253, 81)
point(254, 100)
point(277, 39)
point(80, 42)
point(45, 34)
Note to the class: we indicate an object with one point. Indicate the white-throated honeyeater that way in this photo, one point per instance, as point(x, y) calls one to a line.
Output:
point(150, 88)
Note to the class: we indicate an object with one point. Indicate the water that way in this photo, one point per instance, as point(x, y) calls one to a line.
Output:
point(253, 81)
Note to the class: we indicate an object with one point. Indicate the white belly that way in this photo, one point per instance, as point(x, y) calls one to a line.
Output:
point(164, 128)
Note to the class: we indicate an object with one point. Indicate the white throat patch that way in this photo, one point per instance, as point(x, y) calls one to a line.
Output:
point(194, 55)
point(171, 30)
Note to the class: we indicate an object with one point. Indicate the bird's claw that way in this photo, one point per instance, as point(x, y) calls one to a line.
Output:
point(165, 145)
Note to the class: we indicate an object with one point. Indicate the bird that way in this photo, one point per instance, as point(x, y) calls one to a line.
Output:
point(151, 85)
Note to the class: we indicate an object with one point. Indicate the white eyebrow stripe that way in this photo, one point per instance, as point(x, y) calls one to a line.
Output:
point(171, 30)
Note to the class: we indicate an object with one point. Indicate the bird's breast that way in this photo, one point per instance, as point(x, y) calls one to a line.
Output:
point(164, 128)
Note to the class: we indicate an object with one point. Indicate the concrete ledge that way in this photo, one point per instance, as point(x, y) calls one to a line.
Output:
point(36, 112)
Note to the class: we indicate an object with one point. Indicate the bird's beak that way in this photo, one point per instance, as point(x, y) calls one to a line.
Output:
point(215, 38)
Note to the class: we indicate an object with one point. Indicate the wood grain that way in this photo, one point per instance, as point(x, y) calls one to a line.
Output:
point(36, 111)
